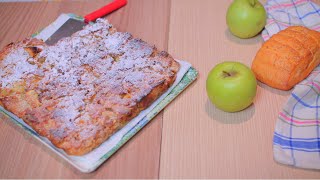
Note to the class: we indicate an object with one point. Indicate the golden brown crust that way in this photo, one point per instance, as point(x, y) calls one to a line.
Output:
point(287, 57)
point(80, 91)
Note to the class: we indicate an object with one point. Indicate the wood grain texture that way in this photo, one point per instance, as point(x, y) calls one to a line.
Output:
point(200, 141)
point(22, 156)
point(196, 139)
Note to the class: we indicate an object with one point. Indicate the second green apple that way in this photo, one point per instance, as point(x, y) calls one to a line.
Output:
point(246, 18)
point(231, 86)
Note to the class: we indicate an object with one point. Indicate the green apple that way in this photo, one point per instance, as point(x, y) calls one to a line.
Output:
point(246, 18)
point(231, 86)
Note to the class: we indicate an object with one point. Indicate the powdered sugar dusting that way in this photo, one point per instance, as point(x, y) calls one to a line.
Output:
point(94, 76)
point(14, 67)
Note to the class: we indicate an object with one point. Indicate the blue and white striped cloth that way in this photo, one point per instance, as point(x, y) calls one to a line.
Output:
point(296, 139)
point(297, 134)
point(284, 13)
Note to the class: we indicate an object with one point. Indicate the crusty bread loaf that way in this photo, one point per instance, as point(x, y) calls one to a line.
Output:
point(287, 57)
point(80, 91)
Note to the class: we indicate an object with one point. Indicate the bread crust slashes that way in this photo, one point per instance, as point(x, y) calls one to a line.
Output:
point(287, 57)
point(81, 90)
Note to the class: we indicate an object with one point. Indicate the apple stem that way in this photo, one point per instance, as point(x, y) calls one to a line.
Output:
point(252, 2)
point(226, 74)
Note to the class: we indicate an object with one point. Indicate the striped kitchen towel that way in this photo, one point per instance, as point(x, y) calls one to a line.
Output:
point(284, 13)
point(296, 139)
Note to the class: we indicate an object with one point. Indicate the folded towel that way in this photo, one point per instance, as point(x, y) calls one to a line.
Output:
point(297, 134)
point(284, 13)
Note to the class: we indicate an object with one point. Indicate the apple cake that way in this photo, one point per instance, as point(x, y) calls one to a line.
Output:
point(80, 91)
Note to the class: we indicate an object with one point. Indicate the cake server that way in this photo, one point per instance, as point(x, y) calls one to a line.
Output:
point(72, 25)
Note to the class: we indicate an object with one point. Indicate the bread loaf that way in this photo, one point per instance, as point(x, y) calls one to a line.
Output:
point(287, 57)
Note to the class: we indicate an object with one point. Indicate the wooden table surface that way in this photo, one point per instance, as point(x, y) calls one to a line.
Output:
point(190, 138)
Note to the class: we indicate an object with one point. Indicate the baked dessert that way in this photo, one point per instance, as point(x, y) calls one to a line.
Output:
point(287, 57)
point(81, 90)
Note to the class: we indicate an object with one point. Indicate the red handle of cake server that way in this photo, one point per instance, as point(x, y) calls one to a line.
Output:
point(116, 4)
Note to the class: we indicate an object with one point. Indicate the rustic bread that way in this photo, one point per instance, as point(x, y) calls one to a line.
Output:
point(287, 57)
point(80, 91)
